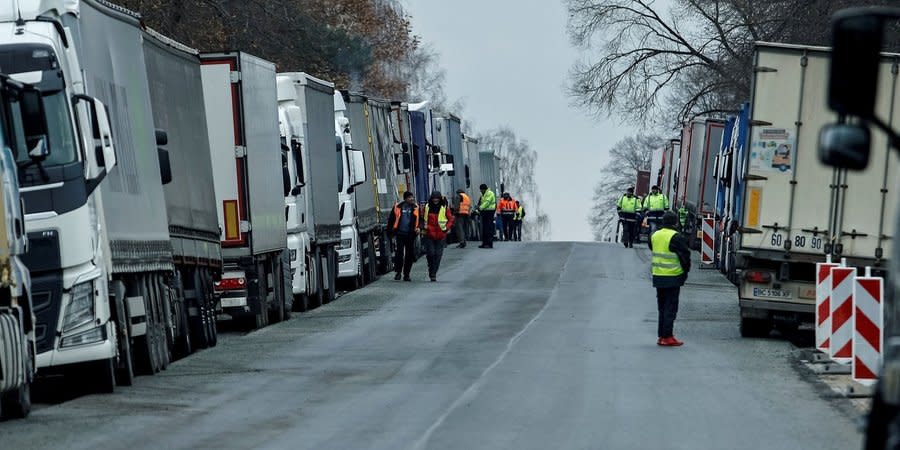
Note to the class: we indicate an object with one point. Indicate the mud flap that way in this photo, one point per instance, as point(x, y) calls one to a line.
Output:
point(137, 316)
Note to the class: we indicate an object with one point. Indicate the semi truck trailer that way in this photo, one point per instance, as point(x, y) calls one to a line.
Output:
point(173, 72)
point(241, 101)
point(795, 211)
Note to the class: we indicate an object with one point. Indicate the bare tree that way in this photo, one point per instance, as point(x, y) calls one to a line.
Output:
point(694, 59)
point(627, 157)
point(517, 163)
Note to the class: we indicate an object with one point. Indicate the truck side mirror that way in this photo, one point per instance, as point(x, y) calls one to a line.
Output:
point(104, 154)
point(358, 164)
point(845, 146)
point(854, 64)
point(165, 167)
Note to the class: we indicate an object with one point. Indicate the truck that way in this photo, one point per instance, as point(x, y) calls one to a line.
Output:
point(371, 228)
point(100, 254)
point(795, 211)
point(448, 132)
point(472, 148)
point(642, 183)
point(729, 177)
point(861, 91)
point(402, 135)
point(353, 174)
point(21, 108)
point(696, 191)
point(670, 163)
point(309, 104)
point(421, 152)
point(241, 98)
point(173, 72)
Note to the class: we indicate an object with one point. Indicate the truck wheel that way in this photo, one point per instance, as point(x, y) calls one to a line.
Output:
point(755, 328)
point(16, 404)
point(183, 344)
point(315, 276)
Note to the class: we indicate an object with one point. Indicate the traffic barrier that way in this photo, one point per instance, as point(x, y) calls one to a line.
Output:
point(706, 247)
point(841, 345)
point(823, 303)
point(868, 334)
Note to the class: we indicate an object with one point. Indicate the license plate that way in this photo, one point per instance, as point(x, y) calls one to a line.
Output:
point(771, 293)
point(234, 302)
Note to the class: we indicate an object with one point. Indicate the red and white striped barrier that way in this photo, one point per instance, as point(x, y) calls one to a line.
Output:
point(823, 304)
point(841, 345)
point(706, 247)
point(868, 334)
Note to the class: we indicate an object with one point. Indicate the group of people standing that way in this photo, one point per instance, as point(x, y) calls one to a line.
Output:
point(436, 219)
point(632, 208)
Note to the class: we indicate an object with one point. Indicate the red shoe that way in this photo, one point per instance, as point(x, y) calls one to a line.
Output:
point(660, 341)
point(671, 342)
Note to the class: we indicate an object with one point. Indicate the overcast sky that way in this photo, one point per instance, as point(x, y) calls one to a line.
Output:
point(508, 60)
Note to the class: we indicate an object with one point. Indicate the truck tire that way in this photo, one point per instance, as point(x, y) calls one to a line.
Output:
point(16, 404)
point(301, 303)
point(212, 329)
point(755, 328)
point(372, 256)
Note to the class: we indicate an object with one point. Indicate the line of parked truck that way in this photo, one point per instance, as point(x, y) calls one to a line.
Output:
point(777, 210)
point(150, 190)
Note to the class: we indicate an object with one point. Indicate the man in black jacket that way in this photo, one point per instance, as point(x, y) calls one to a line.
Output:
point(671, 264)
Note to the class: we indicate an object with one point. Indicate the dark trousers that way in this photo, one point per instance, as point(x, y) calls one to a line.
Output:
point(405, 253)
point(462, 229)
point(507, 225)
point(629, 222)
point(487, 228)
point(517, 230)
point(434, 251)
point(667, 303)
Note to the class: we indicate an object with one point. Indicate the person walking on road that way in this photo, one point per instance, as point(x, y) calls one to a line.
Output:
point(517, 221)
point(463, 210)
point(438, 222)
point(487, 205)
point(671, 263)
point(403, 225)
point(507, 210)
point(628, 207)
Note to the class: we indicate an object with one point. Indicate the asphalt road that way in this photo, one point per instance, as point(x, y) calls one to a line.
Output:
point(527, 346)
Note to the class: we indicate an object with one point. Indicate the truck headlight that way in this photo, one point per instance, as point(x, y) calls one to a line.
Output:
point(81, 306)
point(87, 337)
point(344, 258)
point(345, 244)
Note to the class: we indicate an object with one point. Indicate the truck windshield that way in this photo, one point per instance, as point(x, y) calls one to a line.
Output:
point(37, 64)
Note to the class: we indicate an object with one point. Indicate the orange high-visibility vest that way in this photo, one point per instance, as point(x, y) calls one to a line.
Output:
point(465, 205)
point(397, 218)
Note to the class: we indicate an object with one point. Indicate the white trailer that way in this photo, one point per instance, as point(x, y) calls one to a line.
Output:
point(795, 209)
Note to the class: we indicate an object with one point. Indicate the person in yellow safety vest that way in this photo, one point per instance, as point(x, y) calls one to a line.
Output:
point(628, 207)
point(654, 206)
point(671, 262)
point(487, 206)
point(438, 221)
point(517, 221)
point(463, 222)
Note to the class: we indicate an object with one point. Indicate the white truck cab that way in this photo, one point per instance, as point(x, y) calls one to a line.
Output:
point(353, 173)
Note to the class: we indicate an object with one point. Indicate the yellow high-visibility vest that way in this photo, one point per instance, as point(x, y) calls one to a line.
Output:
point(665, 262)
